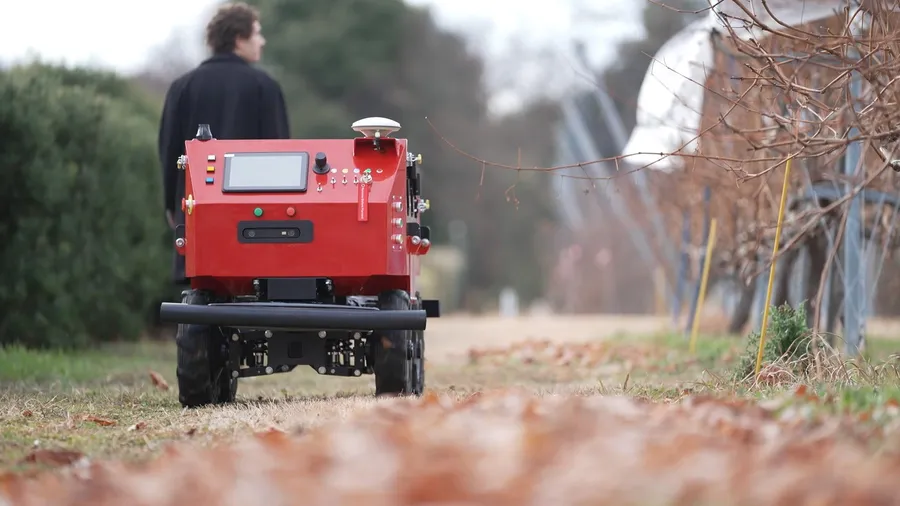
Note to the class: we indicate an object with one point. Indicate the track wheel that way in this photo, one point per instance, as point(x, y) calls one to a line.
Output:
point(418, 363)
point(393, 352)
point(419, 355)
point(202, 377)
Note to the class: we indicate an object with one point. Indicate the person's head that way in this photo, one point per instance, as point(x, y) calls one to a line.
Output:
point(235, 29)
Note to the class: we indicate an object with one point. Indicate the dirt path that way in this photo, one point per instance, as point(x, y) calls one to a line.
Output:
point(452, 337)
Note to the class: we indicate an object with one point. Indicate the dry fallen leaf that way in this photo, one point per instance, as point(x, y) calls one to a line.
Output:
point(158, 381)
point(99, 421)
point(27, 413)
point(53, 458)
point(137, 426)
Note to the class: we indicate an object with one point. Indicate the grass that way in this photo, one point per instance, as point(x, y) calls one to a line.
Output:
point(103, 402)
point(124, 363)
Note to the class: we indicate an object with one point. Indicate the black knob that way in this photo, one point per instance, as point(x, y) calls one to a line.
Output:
point(203, 132)
point(321, 163)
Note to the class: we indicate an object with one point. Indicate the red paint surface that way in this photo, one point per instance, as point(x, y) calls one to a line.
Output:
point(351, 236)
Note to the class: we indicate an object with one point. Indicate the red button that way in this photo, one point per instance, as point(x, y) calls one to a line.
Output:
point(290, 211)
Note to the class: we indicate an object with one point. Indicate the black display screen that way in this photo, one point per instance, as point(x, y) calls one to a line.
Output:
point(266, 172)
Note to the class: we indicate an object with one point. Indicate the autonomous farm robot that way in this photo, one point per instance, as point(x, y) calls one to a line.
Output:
point(301, 252)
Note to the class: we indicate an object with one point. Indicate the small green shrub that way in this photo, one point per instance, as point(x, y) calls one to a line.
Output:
point(787, 339)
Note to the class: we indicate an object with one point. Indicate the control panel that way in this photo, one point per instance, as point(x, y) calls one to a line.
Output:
point(347, 176)
point(282, 172)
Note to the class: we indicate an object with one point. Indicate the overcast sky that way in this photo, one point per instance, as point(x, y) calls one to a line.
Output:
point(89, 31)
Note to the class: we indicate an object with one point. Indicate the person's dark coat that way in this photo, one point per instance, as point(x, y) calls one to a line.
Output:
point(236, 100)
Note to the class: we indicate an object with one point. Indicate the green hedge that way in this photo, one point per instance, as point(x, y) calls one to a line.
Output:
point(83, 255)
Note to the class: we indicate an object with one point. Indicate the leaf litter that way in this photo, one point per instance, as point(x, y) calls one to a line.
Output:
point(509, 447)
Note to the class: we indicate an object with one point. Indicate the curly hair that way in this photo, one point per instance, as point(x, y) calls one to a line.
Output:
point(232, 20)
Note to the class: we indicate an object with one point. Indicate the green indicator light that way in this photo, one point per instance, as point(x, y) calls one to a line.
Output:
point(257, 212)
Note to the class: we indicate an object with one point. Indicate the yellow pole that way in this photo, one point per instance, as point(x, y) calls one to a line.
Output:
point(704, 277)
point(765, 317)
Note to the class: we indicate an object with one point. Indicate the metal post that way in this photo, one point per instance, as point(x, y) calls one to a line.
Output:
point(825, 310)
point(759, 299)
point(854, 273)
point(682, 268)
point(798, 278)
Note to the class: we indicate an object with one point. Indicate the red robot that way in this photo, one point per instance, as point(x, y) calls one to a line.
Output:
point(301, 252)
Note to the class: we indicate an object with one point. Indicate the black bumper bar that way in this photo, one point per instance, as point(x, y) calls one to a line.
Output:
point(293, 316)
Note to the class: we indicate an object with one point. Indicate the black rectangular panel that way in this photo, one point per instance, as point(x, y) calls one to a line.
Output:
point(266, 172)
point(432, 308)
point(282, 231)
point(297, 348)
point(289, 289)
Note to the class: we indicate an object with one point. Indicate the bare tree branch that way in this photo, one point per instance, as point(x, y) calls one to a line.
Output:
point(779, 91)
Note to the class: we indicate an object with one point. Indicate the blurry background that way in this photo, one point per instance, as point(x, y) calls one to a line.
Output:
point(85, 248)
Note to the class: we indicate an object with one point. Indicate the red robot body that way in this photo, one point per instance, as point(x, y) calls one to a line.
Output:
point(319, 231)
point(303, 238)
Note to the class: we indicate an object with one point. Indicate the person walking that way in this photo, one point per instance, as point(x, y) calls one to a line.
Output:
point(225, 91)
point(237, 101)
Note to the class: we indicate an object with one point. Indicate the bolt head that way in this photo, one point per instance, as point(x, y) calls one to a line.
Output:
point(235, 374)
point(322, 334)
point(321, 370)
point(269, 370)
point(268, 334)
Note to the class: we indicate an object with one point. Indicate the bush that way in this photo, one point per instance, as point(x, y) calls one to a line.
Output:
point(83, 255)
point(787, 339)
